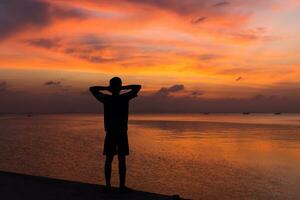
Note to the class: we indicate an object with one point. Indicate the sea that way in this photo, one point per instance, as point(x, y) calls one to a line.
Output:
point(197, 156)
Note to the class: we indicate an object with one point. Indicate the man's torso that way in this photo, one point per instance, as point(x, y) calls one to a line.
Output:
point(116, 113)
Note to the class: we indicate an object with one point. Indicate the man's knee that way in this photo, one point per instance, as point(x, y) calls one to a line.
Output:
point(122, 158)
point(109, 159)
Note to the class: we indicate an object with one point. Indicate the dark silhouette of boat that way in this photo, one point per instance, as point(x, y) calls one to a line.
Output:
point(277, 113)
point(246, 113)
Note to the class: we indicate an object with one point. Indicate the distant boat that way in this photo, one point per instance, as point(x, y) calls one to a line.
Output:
point(206, 113)
point(246, 113)
point(277, 113)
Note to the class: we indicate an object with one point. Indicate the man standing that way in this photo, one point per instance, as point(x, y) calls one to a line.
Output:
point(115, 123)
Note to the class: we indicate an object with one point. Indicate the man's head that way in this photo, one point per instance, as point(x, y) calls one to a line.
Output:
point(115, 85)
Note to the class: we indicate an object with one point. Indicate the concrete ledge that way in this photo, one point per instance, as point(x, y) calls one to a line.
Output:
point(15, 186)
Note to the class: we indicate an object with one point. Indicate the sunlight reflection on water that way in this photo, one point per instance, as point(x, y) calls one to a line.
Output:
point(195, 156)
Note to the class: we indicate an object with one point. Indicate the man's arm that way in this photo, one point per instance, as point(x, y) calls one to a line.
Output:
point(96, 91)
point(134, 90)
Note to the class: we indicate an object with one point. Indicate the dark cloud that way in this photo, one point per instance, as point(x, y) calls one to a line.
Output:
point(197, 93)
point(280, 98)
point(91, 43)
point(199, 20)
point(259, 97)
point(265, 98)
point(192, 7)
point(205, 57)
point(98, 59)
point(178, 6)
point(47, 43)
point(94, 59)
point(70, 50)
point(175, 88)
point(91, 39)
point(283, 97)
point(87, 47)
point(190, 104)
point(59, 102)
point(224, 3)
point(3, 86)
point(17, 15)
point(287, 89)
point(164, 91)
point(239, 78)
point(52, 83)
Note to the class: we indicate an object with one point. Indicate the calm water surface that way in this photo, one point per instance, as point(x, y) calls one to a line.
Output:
point(214, 156)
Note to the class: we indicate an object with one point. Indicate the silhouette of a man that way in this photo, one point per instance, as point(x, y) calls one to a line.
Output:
point(115, 123)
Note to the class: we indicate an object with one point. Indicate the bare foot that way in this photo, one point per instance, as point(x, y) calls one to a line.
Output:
point(125, 189)
point(107, 189)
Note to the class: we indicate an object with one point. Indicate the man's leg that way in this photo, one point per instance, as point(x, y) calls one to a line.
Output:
point(122, 170)
point(107, 169)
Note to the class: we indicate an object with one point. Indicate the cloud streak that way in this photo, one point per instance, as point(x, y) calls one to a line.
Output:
point(52, 83)
point(19, 15)
point(46, 43)
point(224, 3)
point(199, 20)
point(239, 79)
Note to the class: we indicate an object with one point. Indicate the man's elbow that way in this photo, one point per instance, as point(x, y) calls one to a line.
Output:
point(138, 88)
point(92, 89)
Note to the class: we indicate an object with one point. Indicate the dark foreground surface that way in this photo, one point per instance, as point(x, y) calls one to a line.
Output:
point(20, 186)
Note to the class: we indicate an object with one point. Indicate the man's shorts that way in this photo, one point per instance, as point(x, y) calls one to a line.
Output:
point(116, 143)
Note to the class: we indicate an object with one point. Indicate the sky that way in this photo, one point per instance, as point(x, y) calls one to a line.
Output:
point(189, 56)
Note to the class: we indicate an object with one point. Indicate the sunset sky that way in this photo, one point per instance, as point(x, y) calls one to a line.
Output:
point(189, 56)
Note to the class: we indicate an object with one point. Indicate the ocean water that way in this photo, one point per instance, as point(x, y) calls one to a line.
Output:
point(229, 156)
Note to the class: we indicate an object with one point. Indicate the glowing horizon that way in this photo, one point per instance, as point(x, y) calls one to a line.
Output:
point(215, 49)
